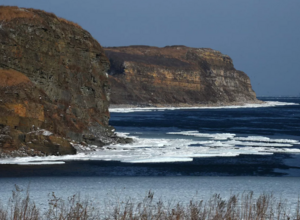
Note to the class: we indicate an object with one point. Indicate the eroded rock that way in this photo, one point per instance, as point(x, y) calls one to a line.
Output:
point(175, 75)
point(52, 77)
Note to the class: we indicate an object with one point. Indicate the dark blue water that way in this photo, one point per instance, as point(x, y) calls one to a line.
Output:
point(281, 122)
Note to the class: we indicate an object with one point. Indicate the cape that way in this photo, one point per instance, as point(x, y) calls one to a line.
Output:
point(54, 87)
point(176, 75)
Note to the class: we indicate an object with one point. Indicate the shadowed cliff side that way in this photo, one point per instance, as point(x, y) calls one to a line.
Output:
point(176, 75)
point(53, 84)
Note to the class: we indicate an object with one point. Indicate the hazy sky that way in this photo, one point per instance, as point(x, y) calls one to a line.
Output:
point(261, 36)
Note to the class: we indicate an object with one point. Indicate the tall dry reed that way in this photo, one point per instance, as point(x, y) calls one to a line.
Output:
point(237, 207)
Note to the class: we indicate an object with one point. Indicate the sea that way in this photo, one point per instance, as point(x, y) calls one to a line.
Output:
point(179, 154)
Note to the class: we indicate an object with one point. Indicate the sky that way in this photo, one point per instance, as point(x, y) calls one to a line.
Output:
point(261, 36)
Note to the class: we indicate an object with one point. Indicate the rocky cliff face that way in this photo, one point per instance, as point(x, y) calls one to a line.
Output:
point(53, 84)
point(175, 75)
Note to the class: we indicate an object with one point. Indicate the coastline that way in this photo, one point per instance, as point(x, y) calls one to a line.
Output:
point(126, 108)
point(83, 148)
point(184, 105)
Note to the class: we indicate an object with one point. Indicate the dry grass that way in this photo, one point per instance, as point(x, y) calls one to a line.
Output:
point(8, 13)
point(20, 207)
point(237, 207)
point(69, 22)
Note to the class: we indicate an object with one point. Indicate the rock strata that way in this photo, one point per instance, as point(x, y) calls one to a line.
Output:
point(175, 75)
point(53, 84)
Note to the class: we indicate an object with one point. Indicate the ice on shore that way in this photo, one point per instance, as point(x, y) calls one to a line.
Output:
point(164, 150)
point(217, 136)
point(159, 160)
point(250, 105)
point(41, 162)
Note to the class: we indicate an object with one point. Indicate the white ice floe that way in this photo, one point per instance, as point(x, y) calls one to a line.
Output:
point(266, 139)
point(232, 140)
point(173, 149)
point(258, 144)
point(250, 105)
point(36, 160)
point(159, 160)
point(217, 136)
point(41, 163)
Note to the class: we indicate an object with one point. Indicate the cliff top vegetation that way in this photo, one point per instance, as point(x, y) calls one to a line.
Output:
point(8, 13)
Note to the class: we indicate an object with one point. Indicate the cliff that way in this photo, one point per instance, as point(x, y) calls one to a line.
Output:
point(53, 85)
point(177, 75)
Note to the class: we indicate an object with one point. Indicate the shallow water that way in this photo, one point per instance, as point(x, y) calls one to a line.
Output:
point(103, 190)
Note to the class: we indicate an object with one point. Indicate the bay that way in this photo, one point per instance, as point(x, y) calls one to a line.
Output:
point(250, 149)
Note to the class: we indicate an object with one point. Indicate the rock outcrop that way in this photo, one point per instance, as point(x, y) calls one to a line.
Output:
point(177, 75)
point(53, 84)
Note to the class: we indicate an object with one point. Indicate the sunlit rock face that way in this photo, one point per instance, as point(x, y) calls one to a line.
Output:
point(175, 75)
point(52, 77)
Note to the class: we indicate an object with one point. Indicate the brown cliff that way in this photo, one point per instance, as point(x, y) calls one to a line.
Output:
point(53, 84)
point(177, 75)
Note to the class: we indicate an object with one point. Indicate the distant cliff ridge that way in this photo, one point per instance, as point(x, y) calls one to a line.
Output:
point(143, 75)
point(53, 84)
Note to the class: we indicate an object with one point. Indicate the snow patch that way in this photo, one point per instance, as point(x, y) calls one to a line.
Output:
point(47, 133)
point(41, 131)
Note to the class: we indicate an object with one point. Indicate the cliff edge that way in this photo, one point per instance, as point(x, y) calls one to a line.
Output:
point(175, 75)
point(53, 85)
